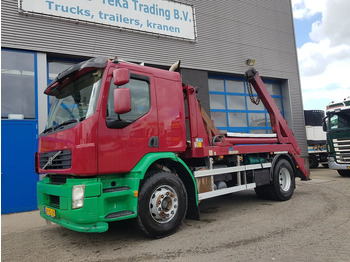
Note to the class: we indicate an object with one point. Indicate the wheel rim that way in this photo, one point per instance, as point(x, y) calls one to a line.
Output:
point(285, 179)
point(163, 204)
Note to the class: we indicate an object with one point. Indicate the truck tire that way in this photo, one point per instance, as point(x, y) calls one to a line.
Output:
point(344, 173)
point(283, 181)
point(313, 162)
point(162, 204)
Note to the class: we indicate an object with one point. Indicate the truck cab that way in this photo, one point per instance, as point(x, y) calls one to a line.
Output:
point(85, 127)
point(337, 126)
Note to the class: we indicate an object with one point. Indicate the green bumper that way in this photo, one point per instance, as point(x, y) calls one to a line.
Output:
point(107, 199)
point(98, 227)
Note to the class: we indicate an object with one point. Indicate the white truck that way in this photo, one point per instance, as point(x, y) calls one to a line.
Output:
point(316, 138)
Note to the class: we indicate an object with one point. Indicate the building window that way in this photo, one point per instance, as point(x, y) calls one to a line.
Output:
point(17, 84)
point(232, 110)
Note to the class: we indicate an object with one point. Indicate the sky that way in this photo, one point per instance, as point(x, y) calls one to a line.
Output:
point(322, 30)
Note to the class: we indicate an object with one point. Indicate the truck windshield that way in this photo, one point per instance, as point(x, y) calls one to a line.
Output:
point(339, 121)
point(77, 100)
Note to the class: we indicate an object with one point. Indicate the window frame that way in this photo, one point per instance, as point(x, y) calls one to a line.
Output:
point(35, 71)
point(249, 128)
point(117, 122)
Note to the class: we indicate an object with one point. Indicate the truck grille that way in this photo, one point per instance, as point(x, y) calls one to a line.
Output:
point(54, 201)
point(56, 160)
point(342, 150)
point(58, 180)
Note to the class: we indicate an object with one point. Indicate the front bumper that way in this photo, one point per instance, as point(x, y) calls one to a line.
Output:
point(334, 165)
point(97, 227)
point(102, 203)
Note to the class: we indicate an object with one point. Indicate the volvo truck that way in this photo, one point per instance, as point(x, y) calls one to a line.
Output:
point(126, 141)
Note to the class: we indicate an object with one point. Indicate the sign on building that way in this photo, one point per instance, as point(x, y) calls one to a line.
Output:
point(161, 17)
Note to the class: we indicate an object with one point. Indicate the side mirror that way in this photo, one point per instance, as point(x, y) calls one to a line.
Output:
point(122, 100)
point(121, 76)
point(324, 124)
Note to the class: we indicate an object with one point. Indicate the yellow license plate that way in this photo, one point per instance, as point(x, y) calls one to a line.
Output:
point(50, 212)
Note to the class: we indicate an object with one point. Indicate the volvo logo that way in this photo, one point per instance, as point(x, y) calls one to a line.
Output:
point(50, 160)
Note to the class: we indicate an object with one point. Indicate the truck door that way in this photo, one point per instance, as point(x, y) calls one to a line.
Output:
point(124, 139)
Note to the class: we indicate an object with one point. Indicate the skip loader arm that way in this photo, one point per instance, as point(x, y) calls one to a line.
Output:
point(278, 123)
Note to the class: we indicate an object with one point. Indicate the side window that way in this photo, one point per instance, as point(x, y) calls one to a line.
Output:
point(140, 100)
point(334, 122)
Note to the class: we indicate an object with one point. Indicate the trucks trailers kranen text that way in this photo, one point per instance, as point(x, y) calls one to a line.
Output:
point(128, 141)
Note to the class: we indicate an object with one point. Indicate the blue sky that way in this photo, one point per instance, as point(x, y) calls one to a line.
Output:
point(303, 28)
point(323, 42)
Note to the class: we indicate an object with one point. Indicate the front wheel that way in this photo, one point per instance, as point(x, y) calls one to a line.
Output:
point(162, 204)
point(344, 173)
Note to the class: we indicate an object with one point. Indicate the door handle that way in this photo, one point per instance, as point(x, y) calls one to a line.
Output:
point(153, 142)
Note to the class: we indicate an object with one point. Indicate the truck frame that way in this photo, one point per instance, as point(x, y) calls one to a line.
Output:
point(127, 141)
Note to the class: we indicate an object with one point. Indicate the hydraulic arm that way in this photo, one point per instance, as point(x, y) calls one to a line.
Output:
point(278, 123)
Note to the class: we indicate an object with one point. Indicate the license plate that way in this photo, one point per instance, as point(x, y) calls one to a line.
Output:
point(50, 212)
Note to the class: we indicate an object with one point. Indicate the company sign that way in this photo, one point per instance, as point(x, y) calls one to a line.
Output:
point(159, 17)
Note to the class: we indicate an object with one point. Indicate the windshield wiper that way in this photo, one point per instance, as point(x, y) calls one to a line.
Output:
point(338, 130)
point(48, 129)
point(67, 122)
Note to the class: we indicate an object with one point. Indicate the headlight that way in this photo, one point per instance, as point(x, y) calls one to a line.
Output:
point(78, 194)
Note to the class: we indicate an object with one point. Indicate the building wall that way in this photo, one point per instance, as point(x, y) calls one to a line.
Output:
point(228, 33)
point(198, 79)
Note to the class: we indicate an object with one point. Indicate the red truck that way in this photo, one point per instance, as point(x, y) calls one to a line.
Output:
point(127, 141)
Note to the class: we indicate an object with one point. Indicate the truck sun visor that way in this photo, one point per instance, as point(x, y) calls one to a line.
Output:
point(81, 68)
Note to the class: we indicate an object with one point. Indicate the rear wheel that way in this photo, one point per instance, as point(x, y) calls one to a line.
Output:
point(283, 182)
point(344, 173)
point(162, 204)
point(282, 185)
point(313, 162)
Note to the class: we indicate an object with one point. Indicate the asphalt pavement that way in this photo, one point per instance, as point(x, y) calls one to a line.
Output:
point(312, 226)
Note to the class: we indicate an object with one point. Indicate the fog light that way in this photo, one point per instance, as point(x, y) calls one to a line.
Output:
point(78, 194)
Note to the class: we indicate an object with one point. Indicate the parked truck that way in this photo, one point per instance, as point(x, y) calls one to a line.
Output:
point(316, 138)
point(337, 126)
point(126, 141)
